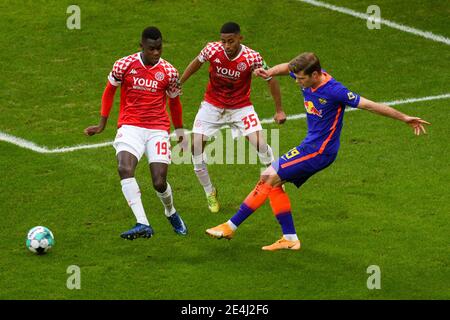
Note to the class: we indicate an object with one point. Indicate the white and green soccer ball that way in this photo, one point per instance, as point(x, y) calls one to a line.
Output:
point(40, 240)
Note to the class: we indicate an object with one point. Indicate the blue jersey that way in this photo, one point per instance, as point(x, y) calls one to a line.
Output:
point(325, 107)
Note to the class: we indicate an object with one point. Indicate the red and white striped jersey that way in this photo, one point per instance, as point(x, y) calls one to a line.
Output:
point(144, 90)
point(229, 80)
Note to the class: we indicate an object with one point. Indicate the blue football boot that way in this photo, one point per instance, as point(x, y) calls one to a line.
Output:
point(138, 231)
point(178, 224)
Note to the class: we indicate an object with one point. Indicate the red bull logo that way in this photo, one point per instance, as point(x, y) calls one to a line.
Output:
point(311, 109)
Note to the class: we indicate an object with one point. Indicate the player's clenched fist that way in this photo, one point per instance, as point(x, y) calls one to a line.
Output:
point(90, 131)
point(261, 72)
point(280, 117)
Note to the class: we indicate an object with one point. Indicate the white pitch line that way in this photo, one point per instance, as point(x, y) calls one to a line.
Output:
point(22, 143)
point(391, 24)
point(42, 149)
point(80, 147)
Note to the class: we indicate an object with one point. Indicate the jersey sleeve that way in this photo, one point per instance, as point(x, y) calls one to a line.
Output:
point(173, 88)
point(115, 77)
point(256, 61)
point(208, 51)
point(347, 97)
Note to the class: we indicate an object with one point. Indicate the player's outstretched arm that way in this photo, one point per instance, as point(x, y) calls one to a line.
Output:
point(192, 68)
point(107, 102)
point(416, 123)
point(279, 69)
point(274, 86)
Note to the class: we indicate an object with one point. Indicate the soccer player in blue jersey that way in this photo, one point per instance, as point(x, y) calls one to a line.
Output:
point(325, 100)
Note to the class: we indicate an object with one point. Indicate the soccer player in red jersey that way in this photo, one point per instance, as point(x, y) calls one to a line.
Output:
point(146, 81)
point(227, 101)
point(325, 100)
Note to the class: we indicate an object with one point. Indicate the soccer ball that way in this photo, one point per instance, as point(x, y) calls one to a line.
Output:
point(40, 240)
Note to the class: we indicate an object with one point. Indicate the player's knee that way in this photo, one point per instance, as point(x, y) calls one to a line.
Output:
point(197, 144)
point(268, 176)
point(125, 171)
point(269, 179)
point(159, 184)
point(264, 177)
point(196, 149)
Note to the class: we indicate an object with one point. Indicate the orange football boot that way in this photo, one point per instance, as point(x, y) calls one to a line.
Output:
point(221, 231)
point(283, 244)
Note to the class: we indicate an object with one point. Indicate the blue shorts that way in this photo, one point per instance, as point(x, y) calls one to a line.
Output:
point(300, 163)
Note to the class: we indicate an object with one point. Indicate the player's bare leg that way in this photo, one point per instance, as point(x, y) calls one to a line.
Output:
point(127, 163)
point(264, 151)
point(201, 171)
point(163, 190)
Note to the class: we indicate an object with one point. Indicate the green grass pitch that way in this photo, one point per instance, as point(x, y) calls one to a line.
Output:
point(383, 202)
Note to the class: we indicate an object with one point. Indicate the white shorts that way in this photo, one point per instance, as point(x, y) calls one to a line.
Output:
point(137, 141)
point(210, 119)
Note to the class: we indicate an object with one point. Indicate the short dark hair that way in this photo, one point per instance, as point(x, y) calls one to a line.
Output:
point(151, 33)
point(307, 62)
point(230, 27)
